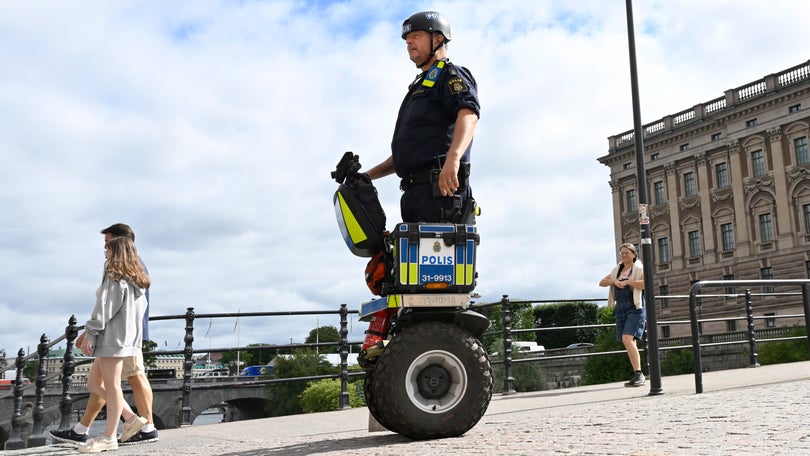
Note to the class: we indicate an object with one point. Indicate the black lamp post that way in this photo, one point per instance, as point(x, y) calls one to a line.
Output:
point(644, 217)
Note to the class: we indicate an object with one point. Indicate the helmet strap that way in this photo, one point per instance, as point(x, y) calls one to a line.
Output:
point(433, 49)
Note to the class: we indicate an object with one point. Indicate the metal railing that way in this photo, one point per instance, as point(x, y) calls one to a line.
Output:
point(37, 437)
point(748, 337)
point(693, 315)
point(71, 332)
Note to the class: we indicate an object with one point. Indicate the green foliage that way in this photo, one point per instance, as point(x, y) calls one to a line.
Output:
point(786, 351)
point(677, 362)
point(324, 334)
point(284, 396)
point(262, 354)
point(324, 396)
point(31, 368)
point(566, 314)
point(521, 317)
point(232, 358)
point(606, 315)
point(606, 368)
point(528, 376)
point(149, 361)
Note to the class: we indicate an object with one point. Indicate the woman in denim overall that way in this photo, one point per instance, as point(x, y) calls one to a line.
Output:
point(626, 282)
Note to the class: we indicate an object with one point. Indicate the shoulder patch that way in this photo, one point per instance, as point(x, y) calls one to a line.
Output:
point(457, 85)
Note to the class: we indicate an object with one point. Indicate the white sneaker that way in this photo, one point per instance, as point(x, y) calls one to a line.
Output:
point(132, 428)
point(99, 444)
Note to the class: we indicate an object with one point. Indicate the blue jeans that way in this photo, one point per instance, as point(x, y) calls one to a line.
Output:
point(630, 320)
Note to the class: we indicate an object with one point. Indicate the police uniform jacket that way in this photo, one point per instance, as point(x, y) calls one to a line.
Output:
point(427, 116)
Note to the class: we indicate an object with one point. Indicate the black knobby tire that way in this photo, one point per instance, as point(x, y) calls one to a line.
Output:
point(433, 380)
point(368, 393)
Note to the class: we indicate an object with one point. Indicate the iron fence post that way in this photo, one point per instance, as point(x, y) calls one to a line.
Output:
point(15, 442)
point(68, 365)
point(508, 380)
point(188, 351)
point(695, 326)
point(37, 437)
point(806, 302)
point(752, 337)
point(345, 403)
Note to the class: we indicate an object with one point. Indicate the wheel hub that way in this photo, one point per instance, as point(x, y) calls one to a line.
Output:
point(433, 382)
point(436, 381)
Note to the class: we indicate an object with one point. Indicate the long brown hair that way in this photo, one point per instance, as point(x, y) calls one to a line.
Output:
point(124, 262)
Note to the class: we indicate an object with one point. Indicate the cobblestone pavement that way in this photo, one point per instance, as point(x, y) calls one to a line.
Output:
point(761, 411)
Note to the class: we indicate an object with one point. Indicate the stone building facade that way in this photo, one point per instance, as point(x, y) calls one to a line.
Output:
point(728, 185)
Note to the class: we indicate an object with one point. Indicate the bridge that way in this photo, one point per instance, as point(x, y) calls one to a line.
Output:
point(240, 400)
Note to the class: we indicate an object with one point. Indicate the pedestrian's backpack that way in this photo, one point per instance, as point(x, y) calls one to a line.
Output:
point(360, 215)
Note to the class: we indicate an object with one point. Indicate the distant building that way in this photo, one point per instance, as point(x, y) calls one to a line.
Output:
point(729, 198)
point(56, 358)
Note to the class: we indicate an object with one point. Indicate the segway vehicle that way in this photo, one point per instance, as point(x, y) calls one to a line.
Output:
point(427, 374)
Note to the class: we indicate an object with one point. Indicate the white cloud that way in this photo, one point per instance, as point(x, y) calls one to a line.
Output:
point(211, 128)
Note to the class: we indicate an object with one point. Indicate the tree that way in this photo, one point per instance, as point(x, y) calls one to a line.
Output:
point(606, 369)
point(264, 355)
point(521, 318)
point(149, 361)
point(787, 351)
point(566, 314)
point(230, 358)
point(324, 396)
point(324, 334)
point(285, 396)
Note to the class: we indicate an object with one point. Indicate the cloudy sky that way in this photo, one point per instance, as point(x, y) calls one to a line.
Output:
point(211, 128)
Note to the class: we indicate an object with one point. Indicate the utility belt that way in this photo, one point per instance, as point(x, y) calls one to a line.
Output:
point(431, 176)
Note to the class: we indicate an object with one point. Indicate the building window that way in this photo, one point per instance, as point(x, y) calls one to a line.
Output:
point(663, 250)
point(716, 136)
point(631, 200)
point(766, 274)
point(627, 165)
point(727, 236)
point(794, 108)
point(694, 243)
point(689, 188)
point(658, 192)
point(654, 157)
point(766, 227)
point(729, 290)
point(751, 122)
point(663, 290)
point(665, 332)
point(721, 173)
point(731, 326)
point(806, 212)
point(770, 322)
point(684, 146)
point(802, 154)
point(807, 269)
point(758, 162)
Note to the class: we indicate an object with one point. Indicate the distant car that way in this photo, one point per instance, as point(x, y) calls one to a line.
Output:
point(7, 384)
point(580, 345)
point(527, 347)
point(217, 373)
point(257, 371)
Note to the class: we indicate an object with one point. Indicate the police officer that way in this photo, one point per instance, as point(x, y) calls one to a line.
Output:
point(433, 135)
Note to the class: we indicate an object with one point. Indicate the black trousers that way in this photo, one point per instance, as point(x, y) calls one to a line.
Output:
point(419, 205)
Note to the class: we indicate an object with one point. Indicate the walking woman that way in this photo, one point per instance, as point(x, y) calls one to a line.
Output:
point(626, 282)
point(114, 332)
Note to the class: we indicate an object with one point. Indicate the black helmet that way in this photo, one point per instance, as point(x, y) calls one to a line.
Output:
point(428, 21)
